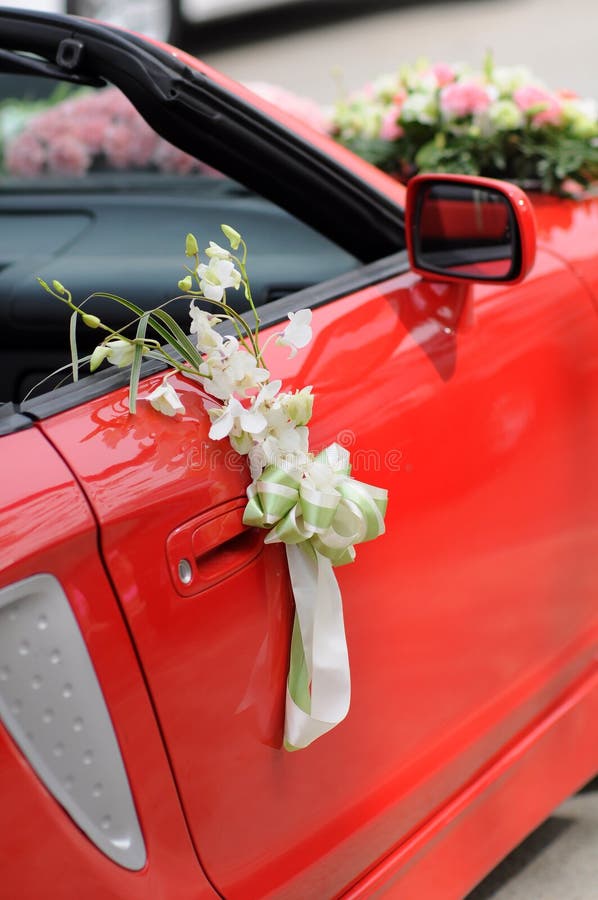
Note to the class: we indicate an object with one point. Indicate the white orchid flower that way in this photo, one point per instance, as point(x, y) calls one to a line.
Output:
point(202, 325)
point(166, 400)
point(267, 393)
point(215, 251)
point(286, 447)
point(298, 333)
point(216, 277)
point(231, 370)
point(234, 418)
point(120, 353)
point(244, 370)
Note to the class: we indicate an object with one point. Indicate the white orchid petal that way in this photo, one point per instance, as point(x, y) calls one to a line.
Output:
point(222, 426)
point(165, 400)
point(212, 291)
point(270, 390)
point(252, 421)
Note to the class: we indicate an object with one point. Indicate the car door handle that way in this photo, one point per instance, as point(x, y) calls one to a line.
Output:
point(211, 547)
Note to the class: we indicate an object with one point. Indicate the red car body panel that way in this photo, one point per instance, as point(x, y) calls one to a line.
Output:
point(569, 229)
point(478, 408)
point(47, 526)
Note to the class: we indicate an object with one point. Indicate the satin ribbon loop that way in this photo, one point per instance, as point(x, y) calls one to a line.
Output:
point(272, 496)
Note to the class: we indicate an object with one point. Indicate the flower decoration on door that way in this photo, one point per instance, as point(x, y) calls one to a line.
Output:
point(306, 500)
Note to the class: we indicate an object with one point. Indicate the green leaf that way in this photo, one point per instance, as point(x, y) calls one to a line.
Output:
point(136, 364)
point(178, 338)
point(156, 325)
point(73, 344)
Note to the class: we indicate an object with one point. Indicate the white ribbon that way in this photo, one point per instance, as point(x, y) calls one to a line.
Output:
point(319, 611)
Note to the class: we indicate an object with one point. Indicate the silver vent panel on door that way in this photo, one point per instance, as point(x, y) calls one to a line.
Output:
point(52, 705)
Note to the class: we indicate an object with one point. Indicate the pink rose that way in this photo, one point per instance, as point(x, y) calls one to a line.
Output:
point(443, 74)
point(90, 131)
point(47, 125)
point(467, 98)
point(143, 143)
point(68, 156)
point(390, 130)
point(25, 156)
point(117, 146)
point(549, 109)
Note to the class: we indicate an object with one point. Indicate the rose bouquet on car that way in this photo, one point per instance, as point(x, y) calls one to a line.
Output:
point(306, 500)
point(73, 132)
point(499, 122)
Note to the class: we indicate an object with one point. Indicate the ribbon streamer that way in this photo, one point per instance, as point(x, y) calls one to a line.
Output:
point(319, 512)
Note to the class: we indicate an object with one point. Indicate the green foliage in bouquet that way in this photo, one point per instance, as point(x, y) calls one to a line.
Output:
point(498, 122)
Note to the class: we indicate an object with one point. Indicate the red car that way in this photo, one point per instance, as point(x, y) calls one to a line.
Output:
point(455, 354)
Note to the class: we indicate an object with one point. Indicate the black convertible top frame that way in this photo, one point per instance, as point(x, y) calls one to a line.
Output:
point(202, 118)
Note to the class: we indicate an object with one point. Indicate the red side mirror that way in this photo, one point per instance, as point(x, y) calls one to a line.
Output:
point(465, 228)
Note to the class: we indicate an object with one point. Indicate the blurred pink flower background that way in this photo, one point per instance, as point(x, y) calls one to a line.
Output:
point(105, 131)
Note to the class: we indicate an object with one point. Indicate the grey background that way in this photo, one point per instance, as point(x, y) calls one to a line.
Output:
point(298, 48)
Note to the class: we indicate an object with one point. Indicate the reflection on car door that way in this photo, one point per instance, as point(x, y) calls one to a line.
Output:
point(473, 406)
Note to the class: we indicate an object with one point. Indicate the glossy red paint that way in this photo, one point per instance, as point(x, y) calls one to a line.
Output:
point(569, 229)
point(442, 858)
point(47, 526)
point(478, 408)
point(519, 203)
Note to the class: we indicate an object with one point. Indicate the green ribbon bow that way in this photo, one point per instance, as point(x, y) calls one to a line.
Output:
point(328, 519)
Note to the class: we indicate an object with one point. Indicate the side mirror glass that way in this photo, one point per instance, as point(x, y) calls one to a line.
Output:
point(472, 229)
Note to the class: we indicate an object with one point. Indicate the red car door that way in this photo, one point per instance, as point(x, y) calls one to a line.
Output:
point(75, 800)
point(476, 407)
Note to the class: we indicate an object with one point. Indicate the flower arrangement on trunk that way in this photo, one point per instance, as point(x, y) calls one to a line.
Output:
point(498, 122)
point(305, 500)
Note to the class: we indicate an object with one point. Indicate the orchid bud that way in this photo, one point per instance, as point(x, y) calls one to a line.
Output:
point(191, 247)
point(59, 288)
point(299, 406)
point(242, 443)
point(185, 284)
point(233, 236)
point(91, 321)
point(98, 356)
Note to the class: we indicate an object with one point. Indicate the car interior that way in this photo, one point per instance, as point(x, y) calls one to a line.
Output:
point(117, 226)
point(111, 154)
